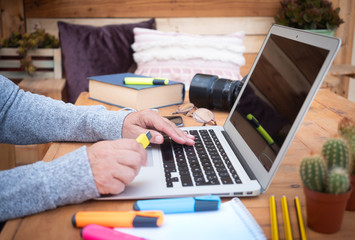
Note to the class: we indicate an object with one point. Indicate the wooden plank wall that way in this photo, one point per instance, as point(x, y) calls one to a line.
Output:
point(13, 12)
point(149, 8)
point(255, 28)
point(188, 9)
point(12, 18)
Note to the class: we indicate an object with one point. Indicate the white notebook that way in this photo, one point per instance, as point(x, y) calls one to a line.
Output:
point(231, 221)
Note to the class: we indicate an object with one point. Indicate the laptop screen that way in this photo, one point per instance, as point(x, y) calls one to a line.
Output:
point(275, 93)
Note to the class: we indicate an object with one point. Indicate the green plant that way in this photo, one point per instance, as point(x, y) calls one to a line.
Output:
point(308, 14)
point(338, 181)
point(313, 173)
point(29, 41)
point(328, 173)
point(336, 153)
point(352, 154)
point(346, 129)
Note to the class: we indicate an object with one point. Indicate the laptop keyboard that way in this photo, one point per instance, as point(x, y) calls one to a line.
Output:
point(205, 163)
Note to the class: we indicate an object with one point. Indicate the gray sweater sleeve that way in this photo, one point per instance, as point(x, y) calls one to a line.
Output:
point(27, 118)
point(45, 185)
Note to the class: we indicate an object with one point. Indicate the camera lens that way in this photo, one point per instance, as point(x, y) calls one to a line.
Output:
point(210, 91)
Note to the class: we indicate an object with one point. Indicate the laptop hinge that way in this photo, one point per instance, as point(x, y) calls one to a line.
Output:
point(239, 156)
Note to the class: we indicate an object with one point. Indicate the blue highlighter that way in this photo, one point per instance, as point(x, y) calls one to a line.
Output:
point(180, 205)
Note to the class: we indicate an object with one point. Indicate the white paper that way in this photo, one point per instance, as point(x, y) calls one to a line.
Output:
point(232, 221)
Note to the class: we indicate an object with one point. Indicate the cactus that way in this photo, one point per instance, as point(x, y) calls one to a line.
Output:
point(338, 181)
point(330, 173)
point(352, 154)
point(316, 177)
point(346, 128)
point(313, 173)
point(336, 153)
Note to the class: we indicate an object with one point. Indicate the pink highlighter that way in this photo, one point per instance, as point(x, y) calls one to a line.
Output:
point(97, 232)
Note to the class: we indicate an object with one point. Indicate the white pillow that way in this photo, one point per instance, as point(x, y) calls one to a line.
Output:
point(180, 56)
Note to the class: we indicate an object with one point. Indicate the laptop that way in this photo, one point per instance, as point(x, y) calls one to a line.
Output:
point(242, 156)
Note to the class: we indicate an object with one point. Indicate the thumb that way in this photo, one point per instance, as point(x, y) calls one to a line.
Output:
point(157, 137)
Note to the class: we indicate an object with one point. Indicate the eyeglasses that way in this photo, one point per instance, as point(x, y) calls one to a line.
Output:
point(202, 115)
point(205, 116)
point(185, 108)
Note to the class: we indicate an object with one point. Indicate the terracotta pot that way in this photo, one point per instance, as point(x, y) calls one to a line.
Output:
point(325, 211)
point(351, 202)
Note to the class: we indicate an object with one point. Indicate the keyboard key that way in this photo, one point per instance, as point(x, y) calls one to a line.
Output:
point(175, 179)
point(226, 180)
point(186, 180)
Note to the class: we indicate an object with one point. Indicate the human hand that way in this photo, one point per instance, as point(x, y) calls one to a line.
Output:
point(114, 164)
point(139, 122)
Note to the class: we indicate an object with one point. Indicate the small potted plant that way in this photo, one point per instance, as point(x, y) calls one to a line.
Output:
point(315, 15)
point(29, 42)
point(347, 130)
point(326, 186)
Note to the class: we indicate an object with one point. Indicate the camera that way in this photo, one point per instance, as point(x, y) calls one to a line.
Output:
point(210, 91)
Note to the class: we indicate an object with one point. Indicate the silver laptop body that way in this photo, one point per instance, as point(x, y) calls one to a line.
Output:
point(280, 87)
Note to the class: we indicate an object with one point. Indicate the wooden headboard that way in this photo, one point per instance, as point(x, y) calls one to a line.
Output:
point(190, 16)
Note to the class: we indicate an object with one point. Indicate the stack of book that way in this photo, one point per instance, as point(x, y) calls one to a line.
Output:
point(112, 89)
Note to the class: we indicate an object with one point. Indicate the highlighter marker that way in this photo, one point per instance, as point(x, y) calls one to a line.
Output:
point(145, 81)
point(260, 129)
point(119, 219)
point(180, 205)
point(97, 232)
point(144, 139)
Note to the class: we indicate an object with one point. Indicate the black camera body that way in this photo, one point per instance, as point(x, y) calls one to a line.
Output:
point(210, 91)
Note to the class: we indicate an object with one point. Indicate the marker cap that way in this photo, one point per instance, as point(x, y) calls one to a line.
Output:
point(207, 203)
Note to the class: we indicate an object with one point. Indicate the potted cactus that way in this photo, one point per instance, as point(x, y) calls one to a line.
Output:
point(326, 186)
point(347, 130)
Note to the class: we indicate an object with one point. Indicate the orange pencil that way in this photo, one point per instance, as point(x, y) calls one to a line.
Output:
point(119, 219)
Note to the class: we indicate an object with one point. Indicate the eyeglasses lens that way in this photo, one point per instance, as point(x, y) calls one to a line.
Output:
point(204, 115)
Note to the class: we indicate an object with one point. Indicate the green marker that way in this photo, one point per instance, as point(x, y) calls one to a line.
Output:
point(260, 129)
point(145, 81)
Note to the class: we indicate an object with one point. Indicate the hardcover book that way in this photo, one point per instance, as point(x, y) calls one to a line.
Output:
point(112, 90)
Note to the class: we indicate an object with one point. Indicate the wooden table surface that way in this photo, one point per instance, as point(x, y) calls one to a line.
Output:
point(320, 123)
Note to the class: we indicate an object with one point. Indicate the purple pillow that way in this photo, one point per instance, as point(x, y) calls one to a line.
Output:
point(90, 51)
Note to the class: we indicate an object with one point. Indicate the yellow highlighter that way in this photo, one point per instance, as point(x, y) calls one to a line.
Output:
point(145, 81)
point(144, 139)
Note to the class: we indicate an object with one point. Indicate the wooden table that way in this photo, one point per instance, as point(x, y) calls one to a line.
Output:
point(320, 123)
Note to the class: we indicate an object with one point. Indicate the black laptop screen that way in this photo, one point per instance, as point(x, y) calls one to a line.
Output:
point(276, 91)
